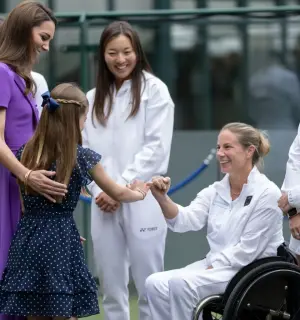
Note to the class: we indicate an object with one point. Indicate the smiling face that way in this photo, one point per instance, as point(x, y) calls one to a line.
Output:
point(120, 57)
point(232, 156)
point(42, 35)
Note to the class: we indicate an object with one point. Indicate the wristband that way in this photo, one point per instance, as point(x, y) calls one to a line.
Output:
point(292, 212)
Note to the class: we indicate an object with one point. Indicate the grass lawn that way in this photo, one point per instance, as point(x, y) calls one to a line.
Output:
point(133, 311)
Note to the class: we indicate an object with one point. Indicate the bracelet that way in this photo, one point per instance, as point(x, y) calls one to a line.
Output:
point(142, 192)
point(26, 180)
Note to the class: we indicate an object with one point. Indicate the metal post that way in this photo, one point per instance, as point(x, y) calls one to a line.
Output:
point(84, 82)
point(283, 33)
point(84, 72)
point(51, 4)
point(186, 12)
point(111, 5)
point(51, 72)
point(203, 112)
point(164, 57)
point(3, 6)
point(244, 76)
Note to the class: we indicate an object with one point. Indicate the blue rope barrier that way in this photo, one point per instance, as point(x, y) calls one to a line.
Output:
point(181, 184)
point(193, 175)
point(85, 199)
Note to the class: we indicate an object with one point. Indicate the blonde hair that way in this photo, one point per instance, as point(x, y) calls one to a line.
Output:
point(250, 136)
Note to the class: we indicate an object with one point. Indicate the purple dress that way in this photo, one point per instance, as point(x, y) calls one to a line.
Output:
point(21, 121)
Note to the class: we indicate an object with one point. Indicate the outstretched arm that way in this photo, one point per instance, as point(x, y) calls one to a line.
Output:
point(118, 192)
point(182, 219)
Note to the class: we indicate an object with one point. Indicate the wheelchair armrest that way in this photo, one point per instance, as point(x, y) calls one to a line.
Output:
point(284, 251)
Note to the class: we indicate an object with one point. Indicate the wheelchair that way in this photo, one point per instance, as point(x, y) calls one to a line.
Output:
point(266, 289)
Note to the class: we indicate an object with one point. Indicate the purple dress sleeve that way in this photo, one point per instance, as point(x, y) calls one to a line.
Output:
point(5, 87)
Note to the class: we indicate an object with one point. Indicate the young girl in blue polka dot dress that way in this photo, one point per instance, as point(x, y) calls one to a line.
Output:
point(46, 275)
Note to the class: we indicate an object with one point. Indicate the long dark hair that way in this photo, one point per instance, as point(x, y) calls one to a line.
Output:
point(105, 78)
point(16, 42)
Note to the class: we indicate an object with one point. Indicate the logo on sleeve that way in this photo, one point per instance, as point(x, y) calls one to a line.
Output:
point(248, 200)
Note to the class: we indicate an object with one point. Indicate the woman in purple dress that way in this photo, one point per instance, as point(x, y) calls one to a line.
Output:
point(25, 33)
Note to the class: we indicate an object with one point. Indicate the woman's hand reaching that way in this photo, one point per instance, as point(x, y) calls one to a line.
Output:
point(160, 186)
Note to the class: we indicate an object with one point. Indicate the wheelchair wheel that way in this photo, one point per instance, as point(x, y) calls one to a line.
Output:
point(269, 291)
point(209, 307)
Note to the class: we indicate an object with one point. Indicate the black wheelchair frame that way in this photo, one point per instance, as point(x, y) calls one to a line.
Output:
point(266, 289)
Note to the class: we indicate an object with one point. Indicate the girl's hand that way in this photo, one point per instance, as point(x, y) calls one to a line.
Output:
point(140, 186)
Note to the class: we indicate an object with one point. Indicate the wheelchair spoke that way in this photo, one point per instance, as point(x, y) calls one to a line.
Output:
point(259, 314)
point(213, 316)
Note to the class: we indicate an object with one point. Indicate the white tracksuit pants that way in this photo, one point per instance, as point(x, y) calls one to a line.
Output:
point(174, 294)
point(130, 237)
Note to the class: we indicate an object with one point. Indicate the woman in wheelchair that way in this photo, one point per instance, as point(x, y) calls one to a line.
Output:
point(243, 220)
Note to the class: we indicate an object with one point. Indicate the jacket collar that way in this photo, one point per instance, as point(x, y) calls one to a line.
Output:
point(223, 186)
point(127, 83)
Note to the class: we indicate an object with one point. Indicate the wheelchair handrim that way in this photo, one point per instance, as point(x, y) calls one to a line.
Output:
point(255, 281)
point(204, 303)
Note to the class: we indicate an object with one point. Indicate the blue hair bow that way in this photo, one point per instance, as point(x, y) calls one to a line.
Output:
point(49, 102)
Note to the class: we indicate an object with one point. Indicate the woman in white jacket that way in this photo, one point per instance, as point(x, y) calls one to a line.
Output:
point(131, 122)
point(289, 202)
point(41, 88)
point(243, 223)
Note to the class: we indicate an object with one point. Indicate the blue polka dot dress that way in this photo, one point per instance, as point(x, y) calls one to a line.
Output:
point(46, 274)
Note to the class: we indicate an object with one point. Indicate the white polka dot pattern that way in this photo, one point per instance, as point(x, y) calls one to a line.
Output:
point(46, 273)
